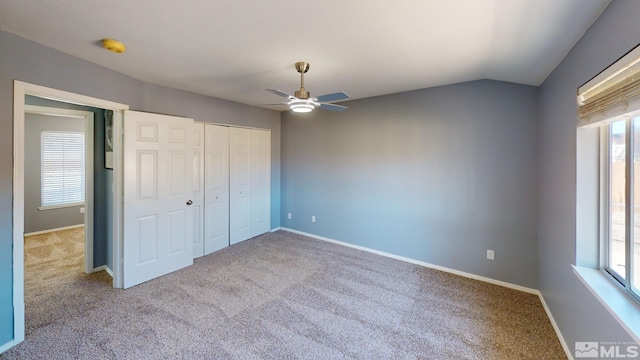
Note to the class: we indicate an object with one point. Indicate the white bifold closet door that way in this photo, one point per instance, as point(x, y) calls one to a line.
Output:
point(260, 182)
point(240, 184)
point(198, 190)
point(249, 183)
point(216, 169)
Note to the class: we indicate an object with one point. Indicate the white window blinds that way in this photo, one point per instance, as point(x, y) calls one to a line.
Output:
point(612, 93)
point(62, 167)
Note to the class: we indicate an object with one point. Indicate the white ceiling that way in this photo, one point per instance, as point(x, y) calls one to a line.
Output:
point(234, 49)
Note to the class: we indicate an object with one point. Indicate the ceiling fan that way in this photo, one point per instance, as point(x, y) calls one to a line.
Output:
point(303, 102)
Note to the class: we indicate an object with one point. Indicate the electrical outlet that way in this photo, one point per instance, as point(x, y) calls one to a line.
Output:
point(81, 210)
point(289, 216)
point(490, 254)
point(313, 218)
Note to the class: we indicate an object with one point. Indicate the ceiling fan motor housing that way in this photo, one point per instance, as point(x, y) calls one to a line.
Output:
point(302, 94)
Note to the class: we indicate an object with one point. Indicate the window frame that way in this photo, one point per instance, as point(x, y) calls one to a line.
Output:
point(68, 203)
point(625, 283)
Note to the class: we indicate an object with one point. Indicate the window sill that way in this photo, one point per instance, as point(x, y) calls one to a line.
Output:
point(61, 206)
point(624, 309)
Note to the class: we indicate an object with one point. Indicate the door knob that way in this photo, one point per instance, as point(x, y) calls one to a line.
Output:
point(189, 202)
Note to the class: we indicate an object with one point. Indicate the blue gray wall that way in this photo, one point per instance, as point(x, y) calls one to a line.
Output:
point(578, 314)
point(438, 175)
point(30, 62)
point(42, 220)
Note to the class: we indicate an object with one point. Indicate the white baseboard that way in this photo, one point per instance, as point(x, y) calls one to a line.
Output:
point(7, 346)
point(105, 268)
point(421, 263)
point(53, 230)
point(565, 347)
point(276, 229)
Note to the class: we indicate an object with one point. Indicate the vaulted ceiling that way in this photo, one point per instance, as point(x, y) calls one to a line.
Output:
point(234, 49)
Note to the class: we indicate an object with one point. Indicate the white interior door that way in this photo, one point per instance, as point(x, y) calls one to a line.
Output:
point(198, 190)
point(240, 184)
point(158, 186)
point(217, 188)
point(260, 182)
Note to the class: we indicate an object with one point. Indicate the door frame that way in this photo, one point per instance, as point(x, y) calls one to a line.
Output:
point(87, 117)
point(20, 90)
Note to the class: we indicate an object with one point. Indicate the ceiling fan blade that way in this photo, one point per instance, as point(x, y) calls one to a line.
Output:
point(332, 107)
point(332, 97)
point(280, 93)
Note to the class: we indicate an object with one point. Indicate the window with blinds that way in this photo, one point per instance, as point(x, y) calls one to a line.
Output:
point(612, 94)
point(62, 169)
point(610, 102)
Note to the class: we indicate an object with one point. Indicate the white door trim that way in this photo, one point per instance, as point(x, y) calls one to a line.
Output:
point(20, 89)
point(87, 116)
point(118, 199)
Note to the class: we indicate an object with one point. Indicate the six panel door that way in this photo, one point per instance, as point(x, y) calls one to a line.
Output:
point(158, 186)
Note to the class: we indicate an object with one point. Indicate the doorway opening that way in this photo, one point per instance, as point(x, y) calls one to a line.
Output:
point(59, 214)
point(58, 186)
point(22, 91)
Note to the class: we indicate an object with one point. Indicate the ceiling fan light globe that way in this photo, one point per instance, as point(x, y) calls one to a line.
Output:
point(301, 108)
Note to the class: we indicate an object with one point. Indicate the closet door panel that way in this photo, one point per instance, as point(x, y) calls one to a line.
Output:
point(260, 182)
point(240, 185)
point(198, 190)
point(216, 225)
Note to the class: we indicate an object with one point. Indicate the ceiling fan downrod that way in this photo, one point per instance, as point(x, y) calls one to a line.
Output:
point(302, 67)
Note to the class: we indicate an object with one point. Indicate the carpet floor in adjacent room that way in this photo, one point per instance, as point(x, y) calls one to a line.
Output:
point(276, 296)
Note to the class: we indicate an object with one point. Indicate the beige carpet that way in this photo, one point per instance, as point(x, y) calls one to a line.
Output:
point(278, 296)
point(55, 283)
